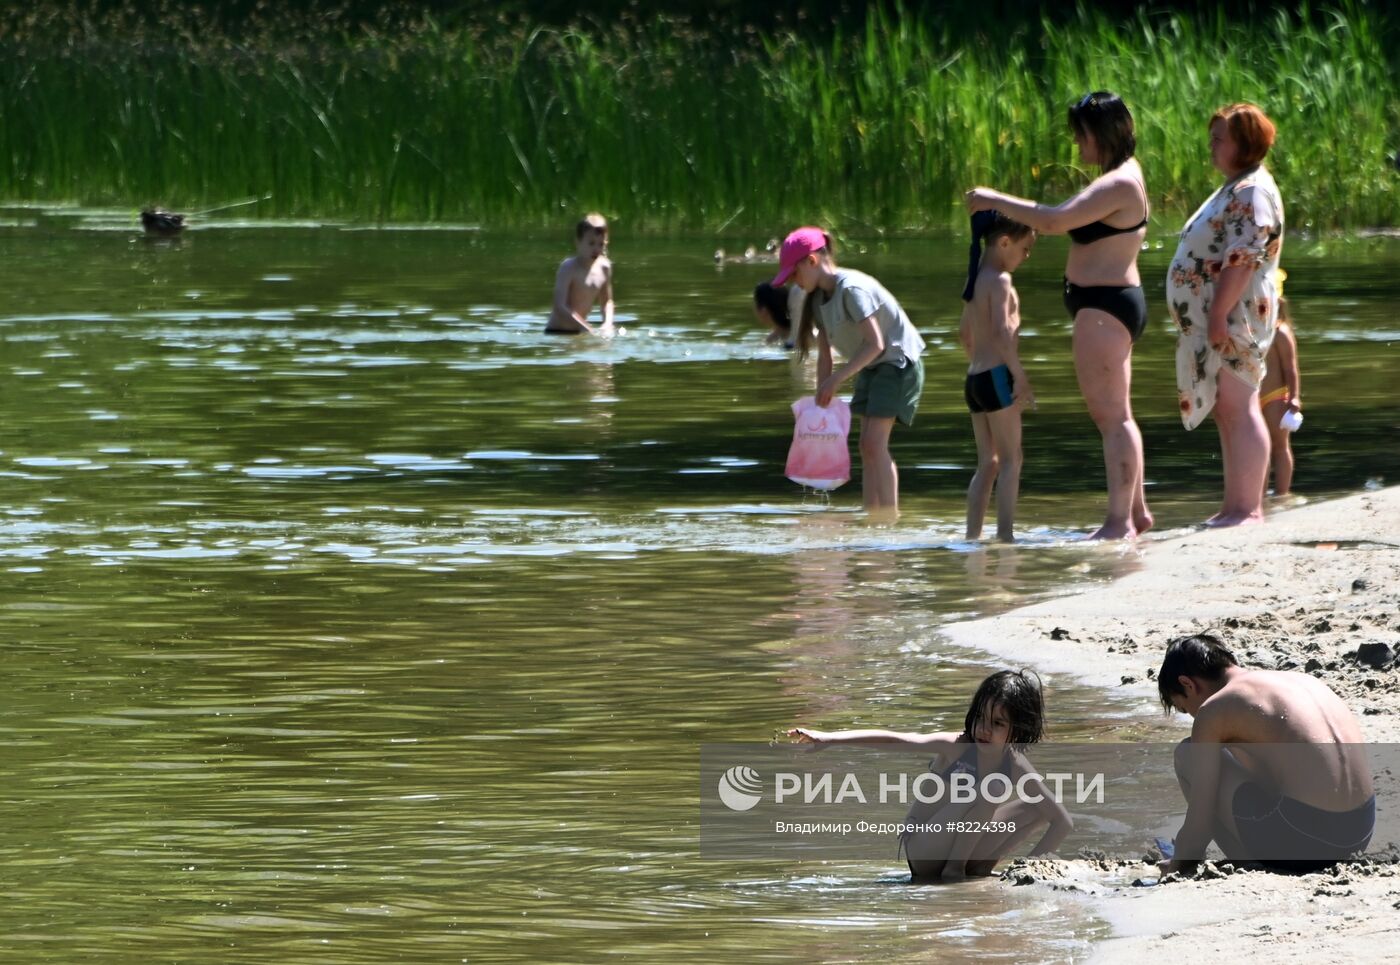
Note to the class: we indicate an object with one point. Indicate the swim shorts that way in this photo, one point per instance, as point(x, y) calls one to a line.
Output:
point(989, 391)
point(889, 391)
point(1288, 835)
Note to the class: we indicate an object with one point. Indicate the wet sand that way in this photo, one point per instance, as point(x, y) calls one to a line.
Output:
point(1315, 589)
point(1346, 915)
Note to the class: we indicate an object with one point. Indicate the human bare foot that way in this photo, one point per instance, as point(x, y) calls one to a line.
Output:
point(881, 515)
point(1221, 520)
point(1114, 530)
point(1143, 520)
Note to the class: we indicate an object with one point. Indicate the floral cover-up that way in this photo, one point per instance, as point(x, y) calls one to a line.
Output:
point(1240, 224)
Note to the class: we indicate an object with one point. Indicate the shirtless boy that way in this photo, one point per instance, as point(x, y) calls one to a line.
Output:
point(1275, 769)
point(583, 281)
point(997, 387)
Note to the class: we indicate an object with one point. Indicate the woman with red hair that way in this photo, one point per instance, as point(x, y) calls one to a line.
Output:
point(1220, 289)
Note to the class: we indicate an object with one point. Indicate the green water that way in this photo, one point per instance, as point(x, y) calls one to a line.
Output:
point(347, 618)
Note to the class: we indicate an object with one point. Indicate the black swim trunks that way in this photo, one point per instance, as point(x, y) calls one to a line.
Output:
point(989, 391)
point(1126, 303)
point(1288, 835)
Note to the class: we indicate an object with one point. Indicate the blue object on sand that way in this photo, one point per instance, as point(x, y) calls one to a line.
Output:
point(1167, 848)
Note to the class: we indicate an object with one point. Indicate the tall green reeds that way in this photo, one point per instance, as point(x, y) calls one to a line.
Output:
point(661, 125)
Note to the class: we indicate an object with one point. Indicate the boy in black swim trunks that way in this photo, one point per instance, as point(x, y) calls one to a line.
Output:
point(997, 387)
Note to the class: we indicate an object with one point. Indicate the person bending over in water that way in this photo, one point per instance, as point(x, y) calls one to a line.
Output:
point(776, 307)
point(1006, 714)
point(583, 281)
point(997, 387)
point(853, 313)
point(1274, 771)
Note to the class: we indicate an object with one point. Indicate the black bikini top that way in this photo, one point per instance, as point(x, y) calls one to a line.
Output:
point(1098, 230)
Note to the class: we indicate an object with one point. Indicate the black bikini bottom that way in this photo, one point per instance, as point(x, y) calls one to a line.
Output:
point(1124, 302)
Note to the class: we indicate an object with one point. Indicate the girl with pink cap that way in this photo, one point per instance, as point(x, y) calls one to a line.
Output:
point(865, 323)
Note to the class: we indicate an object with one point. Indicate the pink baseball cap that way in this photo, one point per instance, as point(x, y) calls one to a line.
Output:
point(797, 246)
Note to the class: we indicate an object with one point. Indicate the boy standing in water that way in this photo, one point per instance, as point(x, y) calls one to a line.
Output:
point(997, 387)
point(583, 281)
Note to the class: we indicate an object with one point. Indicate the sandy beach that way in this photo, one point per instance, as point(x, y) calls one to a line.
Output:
point(1314, 589)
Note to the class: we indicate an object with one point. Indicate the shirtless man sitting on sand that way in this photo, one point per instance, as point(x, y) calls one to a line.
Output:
point(1275, 769)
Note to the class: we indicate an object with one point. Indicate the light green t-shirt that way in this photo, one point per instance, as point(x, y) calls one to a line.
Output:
point(856, 298)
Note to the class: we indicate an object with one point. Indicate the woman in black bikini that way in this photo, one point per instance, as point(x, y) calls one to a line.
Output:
point(1106, 223)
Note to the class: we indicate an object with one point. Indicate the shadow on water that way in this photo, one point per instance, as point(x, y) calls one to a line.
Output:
point(347, 615)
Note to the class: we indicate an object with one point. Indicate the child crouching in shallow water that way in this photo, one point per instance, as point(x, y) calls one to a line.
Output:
point(997, 388)
point(583, 281)
point(1007, 714)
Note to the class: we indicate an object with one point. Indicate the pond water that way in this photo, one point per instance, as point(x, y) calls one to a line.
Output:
point(346, 615)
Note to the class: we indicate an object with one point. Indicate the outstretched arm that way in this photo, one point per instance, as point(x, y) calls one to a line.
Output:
point(808, 735)
point(1096, 202)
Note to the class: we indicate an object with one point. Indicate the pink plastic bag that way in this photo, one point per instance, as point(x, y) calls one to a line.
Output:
point(820, 457)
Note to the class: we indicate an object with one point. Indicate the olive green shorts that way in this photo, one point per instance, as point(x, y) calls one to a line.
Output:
point(889, 391)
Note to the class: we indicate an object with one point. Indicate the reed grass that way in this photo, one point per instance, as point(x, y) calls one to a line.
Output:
point(663, 126)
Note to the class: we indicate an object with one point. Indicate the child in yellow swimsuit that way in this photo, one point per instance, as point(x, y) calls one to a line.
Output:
point(1279, 392)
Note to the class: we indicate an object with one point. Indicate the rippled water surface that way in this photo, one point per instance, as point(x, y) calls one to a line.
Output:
point(346, 615)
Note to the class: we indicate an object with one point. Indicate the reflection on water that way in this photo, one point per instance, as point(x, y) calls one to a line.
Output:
point(345, 613)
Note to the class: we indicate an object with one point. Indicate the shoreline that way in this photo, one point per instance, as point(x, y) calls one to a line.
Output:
point(1301, 592)
point(1304, 591)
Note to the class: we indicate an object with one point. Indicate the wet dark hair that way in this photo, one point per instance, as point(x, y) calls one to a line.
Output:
point(774, 302)
point(988, 226)
point(1018, 692)
point(1202, 655)
point(1104, 115)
